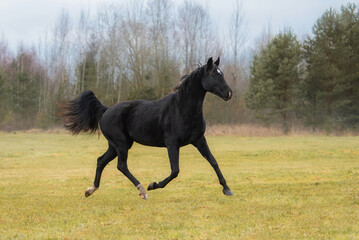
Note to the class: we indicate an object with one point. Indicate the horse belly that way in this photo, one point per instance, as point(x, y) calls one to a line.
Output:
point(147, 133)
point(150, 142)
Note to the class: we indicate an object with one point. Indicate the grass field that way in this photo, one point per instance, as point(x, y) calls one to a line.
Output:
point(296, 187)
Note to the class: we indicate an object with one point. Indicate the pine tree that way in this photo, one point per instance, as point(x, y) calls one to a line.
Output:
point(274, 80)
point(349, 20)
point(331, 84)
point(3, 97)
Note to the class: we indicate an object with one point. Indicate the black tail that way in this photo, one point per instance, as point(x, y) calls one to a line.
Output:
point(83, 113)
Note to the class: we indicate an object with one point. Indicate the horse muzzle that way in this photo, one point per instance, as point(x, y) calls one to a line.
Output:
point(228, 95)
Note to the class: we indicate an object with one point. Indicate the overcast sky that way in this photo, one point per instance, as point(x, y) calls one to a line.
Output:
point(26, 20)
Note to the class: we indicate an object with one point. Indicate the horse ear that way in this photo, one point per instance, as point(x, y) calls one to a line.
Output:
point(210, 62)
point(217, 61)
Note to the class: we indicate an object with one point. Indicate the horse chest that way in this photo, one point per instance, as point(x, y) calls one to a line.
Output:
point(190, 132)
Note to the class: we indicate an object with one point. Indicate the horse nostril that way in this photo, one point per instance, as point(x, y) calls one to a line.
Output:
point(229, 94)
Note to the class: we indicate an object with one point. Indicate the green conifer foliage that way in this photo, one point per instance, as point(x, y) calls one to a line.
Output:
point(332, 61)
point(274, 80)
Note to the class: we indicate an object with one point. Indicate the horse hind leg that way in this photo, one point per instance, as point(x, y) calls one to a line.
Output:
point(102, 161)
point(90, 191)
point(122, 167)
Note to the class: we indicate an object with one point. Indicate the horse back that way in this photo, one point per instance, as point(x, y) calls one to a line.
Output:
point(151, 123)
point(140, 121)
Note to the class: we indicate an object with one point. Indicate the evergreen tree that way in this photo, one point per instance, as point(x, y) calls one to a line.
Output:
point(349, 20)
point(331, 84)
point(25, 94)
point(274, 80)
point(3, 97)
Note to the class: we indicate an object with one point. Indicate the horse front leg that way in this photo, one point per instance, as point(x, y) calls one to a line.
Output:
point(202, 146)
point(173, 154)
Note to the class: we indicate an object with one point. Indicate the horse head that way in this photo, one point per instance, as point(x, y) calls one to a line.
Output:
point(214, 82)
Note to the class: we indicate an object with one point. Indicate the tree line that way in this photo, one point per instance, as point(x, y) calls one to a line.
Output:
point(316, 81)
point(141, 50)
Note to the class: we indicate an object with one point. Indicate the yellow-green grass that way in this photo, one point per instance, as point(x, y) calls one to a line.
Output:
point(296, 187)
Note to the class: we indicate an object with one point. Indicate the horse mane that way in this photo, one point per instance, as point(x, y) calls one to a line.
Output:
point(185, 79)
point(181, 81)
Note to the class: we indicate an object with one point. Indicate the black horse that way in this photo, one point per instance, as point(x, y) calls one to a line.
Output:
point(174, 121)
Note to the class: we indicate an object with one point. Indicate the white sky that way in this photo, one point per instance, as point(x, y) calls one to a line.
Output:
point(26, 20)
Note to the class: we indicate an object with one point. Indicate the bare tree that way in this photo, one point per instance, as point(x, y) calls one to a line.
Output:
point(238, 31)
point(195, 34)
point(80, 51)
point(134, 32)
point(264, 38)
point(60, 54)
point(111, 49)
point(160, 14)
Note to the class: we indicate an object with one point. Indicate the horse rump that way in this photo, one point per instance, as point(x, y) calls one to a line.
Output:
point(83, 113)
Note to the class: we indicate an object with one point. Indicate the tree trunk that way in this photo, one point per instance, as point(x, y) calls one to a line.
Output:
point(285, 127)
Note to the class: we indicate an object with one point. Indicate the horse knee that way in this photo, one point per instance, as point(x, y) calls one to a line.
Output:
point(100, 163)
point(122, 167)
point(175, 173)
point(119, 168)
point(103, 160)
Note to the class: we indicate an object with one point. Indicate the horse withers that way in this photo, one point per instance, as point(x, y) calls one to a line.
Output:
point(174, 121)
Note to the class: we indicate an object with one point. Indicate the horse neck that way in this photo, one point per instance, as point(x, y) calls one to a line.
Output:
point(193, 96)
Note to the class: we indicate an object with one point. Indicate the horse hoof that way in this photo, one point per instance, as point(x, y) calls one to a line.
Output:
point(151, 186)
point(87, 193)
point(144, 196)
point(90, 191)
point(143, 193)
point(227, 192)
